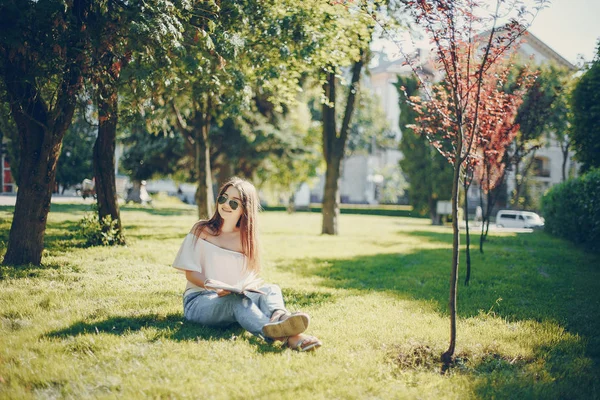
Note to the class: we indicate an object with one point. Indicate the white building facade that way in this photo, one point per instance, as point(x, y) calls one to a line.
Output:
point(359, 177)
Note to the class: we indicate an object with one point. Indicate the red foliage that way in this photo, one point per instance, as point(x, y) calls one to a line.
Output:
point(470, 114)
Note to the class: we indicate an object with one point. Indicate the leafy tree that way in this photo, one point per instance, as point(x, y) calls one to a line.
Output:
point(75, 161)
point(47, 51)
point(466, 57)
point(495, 131)
point(540, 113)
point(429, 173)
point(234, 51)
point(559, 123)
point(150, 155)
point(369, 126)
point(145, 30)
point(294, 157)
point(586, 116)
point(354, 23)
point(44, 55)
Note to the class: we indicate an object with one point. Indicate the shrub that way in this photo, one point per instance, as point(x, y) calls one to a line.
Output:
point(572, 210)
point(100, 233)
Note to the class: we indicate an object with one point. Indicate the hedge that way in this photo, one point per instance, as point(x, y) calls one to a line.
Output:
point(572, 210)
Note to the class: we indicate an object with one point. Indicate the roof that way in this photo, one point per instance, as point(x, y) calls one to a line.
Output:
point(396, 66)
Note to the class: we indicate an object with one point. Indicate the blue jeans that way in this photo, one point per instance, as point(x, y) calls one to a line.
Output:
point(252, 312)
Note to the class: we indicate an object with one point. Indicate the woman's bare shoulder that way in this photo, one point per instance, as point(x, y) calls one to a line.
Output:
point(201, 230)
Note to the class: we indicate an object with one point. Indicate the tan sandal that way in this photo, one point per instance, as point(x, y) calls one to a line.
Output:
point(287, 325)
point(299, 346)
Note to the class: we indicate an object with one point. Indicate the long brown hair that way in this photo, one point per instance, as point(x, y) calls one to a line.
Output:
point(247, 222)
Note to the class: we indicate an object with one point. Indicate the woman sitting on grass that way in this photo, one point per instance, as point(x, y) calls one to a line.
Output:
point(223, 252)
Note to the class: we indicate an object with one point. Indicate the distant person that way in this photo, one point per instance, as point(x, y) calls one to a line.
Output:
point(224, 249)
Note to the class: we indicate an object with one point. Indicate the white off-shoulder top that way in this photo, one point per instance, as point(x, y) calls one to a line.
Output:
point(211, 261)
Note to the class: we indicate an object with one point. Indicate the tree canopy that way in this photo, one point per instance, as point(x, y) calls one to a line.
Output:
point(586, 116)
point(429, 174)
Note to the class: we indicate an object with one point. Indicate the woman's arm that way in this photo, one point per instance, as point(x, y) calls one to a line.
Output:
point(195, 277)
point(198, 279)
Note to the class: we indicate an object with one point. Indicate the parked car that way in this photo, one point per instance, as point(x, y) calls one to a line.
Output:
point(518, 219)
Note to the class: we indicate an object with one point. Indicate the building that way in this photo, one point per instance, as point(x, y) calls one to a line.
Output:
point(360, 180)
point(7, 182)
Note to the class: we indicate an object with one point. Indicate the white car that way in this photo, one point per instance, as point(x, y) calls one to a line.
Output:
point(518, 219)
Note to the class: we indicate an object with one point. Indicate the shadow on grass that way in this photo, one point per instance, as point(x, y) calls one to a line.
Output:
point(526, 270)
point(63, 236)
point(34, 271)
point(521, 277)
point(71, 208)
point(59, 236)
point(175, 327)
point(558, 371)
point(171, 327)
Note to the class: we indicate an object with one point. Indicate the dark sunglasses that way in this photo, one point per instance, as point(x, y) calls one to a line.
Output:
point(234, 204)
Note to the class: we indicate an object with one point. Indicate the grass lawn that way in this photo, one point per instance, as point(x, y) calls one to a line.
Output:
point(107, 322)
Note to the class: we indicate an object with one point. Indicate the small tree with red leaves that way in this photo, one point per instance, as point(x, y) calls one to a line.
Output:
point(458, 115)
point(499, 129)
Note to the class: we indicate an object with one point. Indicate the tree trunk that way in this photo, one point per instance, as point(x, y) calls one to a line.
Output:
point(331, 197)
point(104, 154)
point(226, 171)
point(468, 243)
point(134, 193)
point(448, 356)
point(40, 148)
point(41, 130)
point(565, 153)
point(205, 199)
point(484, 219)
point(334, 145)
point(517, 189)
point(521, 182)
point(332, 173)
point(435, 218)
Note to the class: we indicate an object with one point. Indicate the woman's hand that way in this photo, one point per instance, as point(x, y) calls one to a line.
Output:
point(222, 292)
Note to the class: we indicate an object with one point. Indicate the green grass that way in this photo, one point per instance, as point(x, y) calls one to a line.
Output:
point(107, 322)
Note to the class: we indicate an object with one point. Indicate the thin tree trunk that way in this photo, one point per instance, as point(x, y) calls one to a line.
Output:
point(485, 215)
point(468, 243)
point(331, 197)
point(226, 171)
point(448, 356)
point(484, 219)
point(521, 182)
point(517, 189)
point(331, 192)
point(334, 145)
point(104, 155)
point(565, 153)
point(205, 201)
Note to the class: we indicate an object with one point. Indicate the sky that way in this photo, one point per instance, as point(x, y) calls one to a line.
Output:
point(569, 27)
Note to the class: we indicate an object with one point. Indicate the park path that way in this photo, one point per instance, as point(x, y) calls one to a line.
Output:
point(9, 199)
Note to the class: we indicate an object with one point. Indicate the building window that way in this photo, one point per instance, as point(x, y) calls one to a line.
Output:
point(541, 167)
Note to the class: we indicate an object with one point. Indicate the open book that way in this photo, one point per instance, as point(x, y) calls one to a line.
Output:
point(250, 284)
